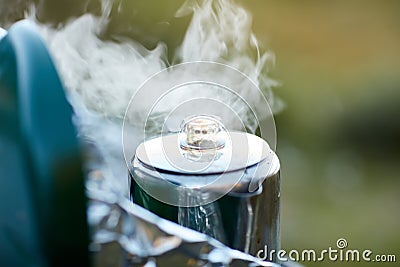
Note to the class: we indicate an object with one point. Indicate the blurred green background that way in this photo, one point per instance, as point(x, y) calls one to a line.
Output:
point(339, 135)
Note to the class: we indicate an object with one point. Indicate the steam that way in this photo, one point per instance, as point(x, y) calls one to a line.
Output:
point(102, 75)
point(220, 31)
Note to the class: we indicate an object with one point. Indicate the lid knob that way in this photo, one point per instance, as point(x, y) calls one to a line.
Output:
point(201, 132)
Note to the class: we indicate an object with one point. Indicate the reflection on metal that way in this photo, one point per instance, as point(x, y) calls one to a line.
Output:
point(233, 198)
point(205, 219)
point(202, 133)
point(125, 234)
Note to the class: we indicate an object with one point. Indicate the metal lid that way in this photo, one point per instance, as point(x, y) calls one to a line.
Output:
point(203, 147)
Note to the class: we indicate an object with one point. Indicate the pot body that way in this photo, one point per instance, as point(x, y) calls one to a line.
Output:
point(244, 219)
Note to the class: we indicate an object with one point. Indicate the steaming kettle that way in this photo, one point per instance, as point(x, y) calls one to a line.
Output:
point(224, 184)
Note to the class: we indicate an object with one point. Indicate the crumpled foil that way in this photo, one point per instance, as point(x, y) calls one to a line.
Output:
point(125, 234)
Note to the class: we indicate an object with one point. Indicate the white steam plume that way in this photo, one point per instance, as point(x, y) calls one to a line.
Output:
point(102, 75)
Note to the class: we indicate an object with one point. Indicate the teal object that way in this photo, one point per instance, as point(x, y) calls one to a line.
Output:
point(42, 200)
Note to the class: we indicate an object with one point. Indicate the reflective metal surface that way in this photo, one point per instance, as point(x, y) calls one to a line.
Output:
point(241, 209)
point(125, 234)
point(241, 150)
